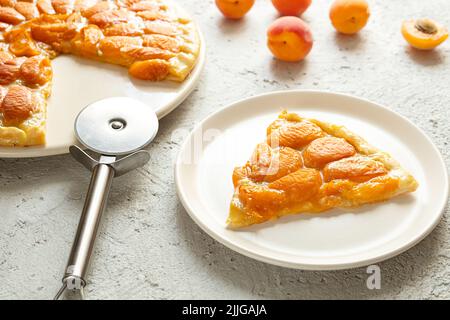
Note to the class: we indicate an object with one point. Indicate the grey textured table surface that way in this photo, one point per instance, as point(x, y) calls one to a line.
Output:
point(149, 248)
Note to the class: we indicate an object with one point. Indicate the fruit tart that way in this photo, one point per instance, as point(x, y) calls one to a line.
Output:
point(152, 38)
point(306, 165)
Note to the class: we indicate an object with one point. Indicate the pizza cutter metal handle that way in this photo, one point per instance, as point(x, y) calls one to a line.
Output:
point(94, 206)
point(112, 127)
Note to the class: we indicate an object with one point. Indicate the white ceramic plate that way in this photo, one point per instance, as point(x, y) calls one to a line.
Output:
point(337, 239)
point(78, 82)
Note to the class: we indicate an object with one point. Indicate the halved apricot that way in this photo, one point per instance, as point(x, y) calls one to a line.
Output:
point(63, 6)
point(160, 27)
point(123, 29)
point(9, 72)
point(87, 40)
point(53, 29)
point(84, 4)
point(146, 53)
point(267, 164)
point(17, 104)
point(299, 185)
point(284, 161)
point(105, 18)
point(10, 15)
point(45, 6)
point(327, 149)
point(144, 6)
point(377, 189)
point(259, 162)
point(21, 43)
point(111, 46)
point(27, 9)
point(8, 3)
point(99, 7)
point(357, 168)
point(424, 34)
point(152, 15)
point(153, 70)
point(162, 42)
point(293, 134)
point(36, 71)
point(260, 198)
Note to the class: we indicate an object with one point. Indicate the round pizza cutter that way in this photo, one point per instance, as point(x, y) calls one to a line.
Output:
point(115, 129)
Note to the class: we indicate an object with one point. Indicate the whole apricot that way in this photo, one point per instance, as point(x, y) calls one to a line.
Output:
point(234, 9)
point(289, 39)
point(424, 34)
point(291, 7)
point(349, 16)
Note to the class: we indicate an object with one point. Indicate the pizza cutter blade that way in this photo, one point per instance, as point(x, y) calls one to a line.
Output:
point(115, 129)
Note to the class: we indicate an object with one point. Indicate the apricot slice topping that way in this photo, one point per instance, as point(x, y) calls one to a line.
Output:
point(162, 42)
point(10, 15)
point(105, 18)
point(86, 42)
point(123, 29)
point(99, 7)
point(17, 105)
point(146, 53)
point(21, 43)
point(327, 149)
point(7, 3)
point(144, 6)
point(160, 27)
point(63, 6)
point(154, 70)
point(111, 46)
point(27, 9)
point(301, 184)
point(267, 164)
point(36, 71)
point(45, 6)
point(260, 198)
point(358, 168)
point(292, 134)
point(8, 73)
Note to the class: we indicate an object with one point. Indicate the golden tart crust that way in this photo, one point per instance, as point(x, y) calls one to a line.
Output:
point(306, 165)
point(152, 38)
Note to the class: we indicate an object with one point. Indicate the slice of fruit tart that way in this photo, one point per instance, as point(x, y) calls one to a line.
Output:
point(154, 39)
point(306, 165)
